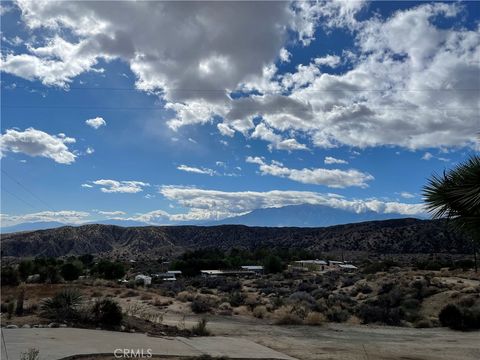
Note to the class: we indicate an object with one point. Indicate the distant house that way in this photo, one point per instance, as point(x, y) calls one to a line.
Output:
point(35, 278)
point(216, 273)
point(258, 269)
point(169, 275)
point(175, 272)
point(311, 265)
point(333, 262)
point(147, 280)
point(347, 267)
point(323, 265)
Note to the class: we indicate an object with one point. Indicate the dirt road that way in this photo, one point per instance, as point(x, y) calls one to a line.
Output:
point(56, 344)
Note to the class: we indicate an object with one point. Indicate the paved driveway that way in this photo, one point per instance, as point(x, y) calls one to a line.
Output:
point(58, 343)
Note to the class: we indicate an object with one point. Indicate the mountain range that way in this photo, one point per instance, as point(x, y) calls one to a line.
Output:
point(397, 236)
point(294, 215)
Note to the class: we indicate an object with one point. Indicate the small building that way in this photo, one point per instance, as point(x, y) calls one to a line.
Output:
point(168, 276)
point(147, 280)
point(333, 262)
point(216, 273)
point(174, 272)
point(31, 279)
point(257, 269)
point(312, 265)
point(347, 267)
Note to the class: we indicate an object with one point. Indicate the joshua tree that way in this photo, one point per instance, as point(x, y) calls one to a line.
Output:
point(456, 196)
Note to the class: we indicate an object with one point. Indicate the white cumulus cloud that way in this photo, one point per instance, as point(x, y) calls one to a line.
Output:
point(96, 122)
point(196, 170)
point(333, 178)
point(214, 204)
point(34, 142)
point(115, 186)
point(64, 216)
point(332, 160)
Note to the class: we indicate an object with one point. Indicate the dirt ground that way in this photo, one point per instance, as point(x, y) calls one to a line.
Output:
point(350, 342)
point(345, 341)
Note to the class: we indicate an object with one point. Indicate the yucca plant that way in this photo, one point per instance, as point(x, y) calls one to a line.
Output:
point(63, 306)
point(455, 195)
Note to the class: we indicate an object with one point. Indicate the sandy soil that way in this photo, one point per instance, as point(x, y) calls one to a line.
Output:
point(349, 342)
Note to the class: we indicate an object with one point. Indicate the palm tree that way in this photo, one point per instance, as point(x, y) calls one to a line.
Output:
point(456, 196)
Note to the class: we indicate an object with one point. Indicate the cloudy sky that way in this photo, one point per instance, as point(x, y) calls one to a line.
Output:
point(179, 111)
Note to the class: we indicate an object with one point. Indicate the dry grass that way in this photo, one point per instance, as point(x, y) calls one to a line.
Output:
point(315, 319)
point(284, 316)
point(185, 296)
point(260, 311)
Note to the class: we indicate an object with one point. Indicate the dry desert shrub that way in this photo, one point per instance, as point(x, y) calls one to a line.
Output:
point(140, 310)
point(225, 309)
point(315, 319)
point(161, 304)
point(203, 303)
point(200, 329)
point(146, 297)
point(185, 296)
point(252, 301)
point(260, 312)
point(30, 354)
point(129, 293)
point(285, 316)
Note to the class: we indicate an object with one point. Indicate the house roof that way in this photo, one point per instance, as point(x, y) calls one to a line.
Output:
point(252, 267)
point(347, 266)
point(314, 262)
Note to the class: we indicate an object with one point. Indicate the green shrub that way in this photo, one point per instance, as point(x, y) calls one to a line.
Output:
point(26, 268)
point(373, 313)
point(86, 259)
point(237, 298)
point(107, 312)
point(9, 276)
point(200, 305)
point(337, 314)
point(71, 271)
point(10, 309)
point(460, 318)
point(63, 306)
point(273, 264)
point(110, 270)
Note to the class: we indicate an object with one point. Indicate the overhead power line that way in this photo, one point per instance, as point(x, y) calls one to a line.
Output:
point(20, 199)
point(28, 190)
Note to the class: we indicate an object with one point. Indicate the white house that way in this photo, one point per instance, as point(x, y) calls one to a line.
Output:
point(347, 267)
point(175, 272)
point(215, 273)
point(258, 269)
point(147, 280)
point(312, 265)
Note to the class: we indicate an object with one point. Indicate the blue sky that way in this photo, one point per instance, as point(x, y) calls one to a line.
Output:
point(204, 111)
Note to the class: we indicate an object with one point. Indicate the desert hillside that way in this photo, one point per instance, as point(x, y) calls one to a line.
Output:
point(399, 236)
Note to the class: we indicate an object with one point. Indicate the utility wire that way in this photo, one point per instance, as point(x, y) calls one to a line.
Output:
point(19, 198)
point(29, 191)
